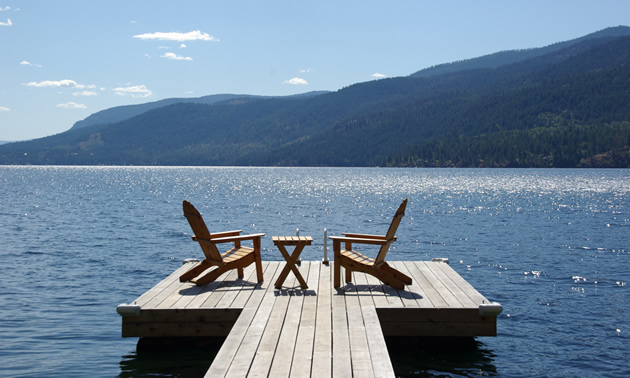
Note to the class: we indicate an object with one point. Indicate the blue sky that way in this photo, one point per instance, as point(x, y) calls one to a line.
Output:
point(61, 61)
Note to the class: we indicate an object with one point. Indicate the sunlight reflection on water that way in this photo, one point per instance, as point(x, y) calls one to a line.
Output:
point(550, 245)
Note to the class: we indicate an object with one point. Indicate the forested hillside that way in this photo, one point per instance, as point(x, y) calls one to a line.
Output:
point(503, 58)
point(121, 113)
point(567, 106)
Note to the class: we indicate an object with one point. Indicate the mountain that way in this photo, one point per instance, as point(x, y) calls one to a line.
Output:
point(121, 113)
point(566, 105)
point(513, 56)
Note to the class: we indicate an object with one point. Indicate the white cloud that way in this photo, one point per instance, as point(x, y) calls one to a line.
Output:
point(85, 93)
point(135, 91)
point(296, 81)
point(305, 70)
point(196, 35)
point(4, 9)
point(4, 109)
point(8, 23)
point(27, 63)
point(378, 75)
point(72, 105)
point(57, 84)
point(173, 56)
point(182, 46)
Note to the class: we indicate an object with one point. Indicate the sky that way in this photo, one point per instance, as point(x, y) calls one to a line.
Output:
point(61, 61)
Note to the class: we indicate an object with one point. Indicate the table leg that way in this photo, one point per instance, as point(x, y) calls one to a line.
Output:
point(290, 266)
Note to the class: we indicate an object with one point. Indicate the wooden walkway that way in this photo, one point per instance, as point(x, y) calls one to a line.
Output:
point(318, 332)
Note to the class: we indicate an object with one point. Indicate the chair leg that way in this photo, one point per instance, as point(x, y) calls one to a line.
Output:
point(259, 271)
point(396, 273)
point(240, 272)
point(348, 274)
point(393, 282)
point(388, 276)
point(337, 250)
point(195, 271)
point(258, 260)
point(212, 276)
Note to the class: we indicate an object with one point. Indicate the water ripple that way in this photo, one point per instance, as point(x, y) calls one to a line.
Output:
point(550, 245)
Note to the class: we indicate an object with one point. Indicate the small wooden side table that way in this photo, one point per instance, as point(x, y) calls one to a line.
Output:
point(299, 242)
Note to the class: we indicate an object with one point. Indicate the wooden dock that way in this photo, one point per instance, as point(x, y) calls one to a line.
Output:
point(316, 332)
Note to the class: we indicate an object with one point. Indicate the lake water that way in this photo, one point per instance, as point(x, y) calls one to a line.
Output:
point(552, 246)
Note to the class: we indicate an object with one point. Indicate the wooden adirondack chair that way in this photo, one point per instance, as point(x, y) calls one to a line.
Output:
point(237, 257)
point(353, 260)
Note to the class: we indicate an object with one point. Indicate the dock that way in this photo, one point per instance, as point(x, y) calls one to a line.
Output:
point(318, 332)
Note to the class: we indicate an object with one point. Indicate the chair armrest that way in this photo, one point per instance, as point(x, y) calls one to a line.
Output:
point(229, 239)
point(359, 240)
point(363, 236)
point(223, 234)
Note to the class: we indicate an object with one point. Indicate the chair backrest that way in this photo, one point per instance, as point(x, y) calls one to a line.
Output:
point(391, 232)
point(202, 235)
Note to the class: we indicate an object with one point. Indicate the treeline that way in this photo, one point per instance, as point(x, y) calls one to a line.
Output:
point(570, 146)
point(563, 122)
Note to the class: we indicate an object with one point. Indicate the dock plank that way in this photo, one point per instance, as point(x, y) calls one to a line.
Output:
point(187, 296)
point(165, 283)
point(268, 269)
point(287, 347)
point(179, 290)
point(246, 323)
point(359, 349)
point(304, 350)
point(256, 353)
point(165, 294)
point(450, 285)
point(318, 332)
point(380, 361)
point(464, 285)
point(432, 294)
point(449, 298)
point(376, 289)
point(341, 357)
point(393, 296)
point(239, 287)
point(322, 349)
point(412, 296)
point(220, 291)
point(211, 290)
